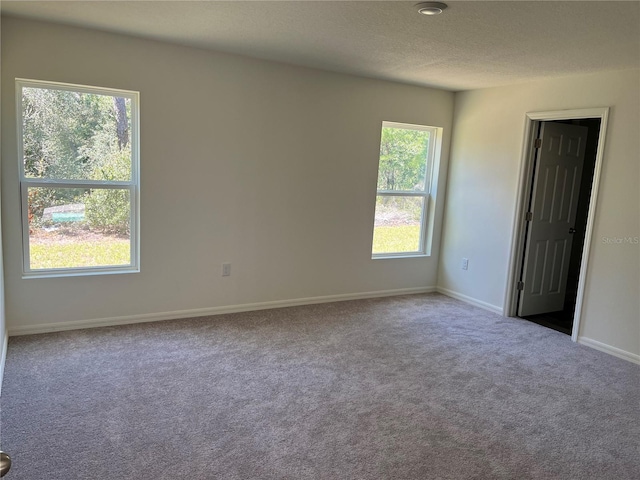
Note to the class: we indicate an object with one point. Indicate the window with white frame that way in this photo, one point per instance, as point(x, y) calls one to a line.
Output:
point(79, 178)
point(405, 175)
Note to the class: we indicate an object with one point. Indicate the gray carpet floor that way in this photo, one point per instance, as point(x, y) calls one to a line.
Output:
point(412, 387)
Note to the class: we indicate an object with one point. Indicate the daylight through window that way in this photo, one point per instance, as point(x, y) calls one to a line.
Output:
point(78, 150)
point(404, 176)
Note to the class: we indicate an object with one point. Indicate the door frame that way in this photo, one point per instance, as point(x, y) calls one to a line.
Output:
point(525, 175)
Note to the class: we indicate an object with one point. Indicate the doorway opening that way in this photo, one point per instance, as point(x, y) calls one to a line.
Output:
point(559, 180)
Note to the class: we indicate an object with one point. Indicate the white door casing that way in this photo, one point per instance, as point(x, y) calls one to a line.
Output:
point(557, 176)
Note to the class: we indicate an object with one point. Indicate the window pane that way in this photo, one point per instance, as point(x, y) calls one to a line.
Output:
point(398, 223)
point(403, 159)
point(76, 136)
point(76, 227)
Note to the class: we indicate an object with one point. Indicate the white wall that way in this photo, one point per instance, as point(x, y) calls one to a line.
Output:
point(270, 167)
point(4, 338)
point(482, 191)
point(3, 327)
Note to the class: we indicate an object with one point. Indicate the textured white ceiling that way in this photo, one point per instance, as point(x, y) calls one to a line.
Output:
point(473, 44)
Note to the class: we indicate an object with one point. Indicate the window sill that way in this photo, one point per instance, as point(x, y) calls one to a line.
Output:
point(79, 273)
point(387, 256)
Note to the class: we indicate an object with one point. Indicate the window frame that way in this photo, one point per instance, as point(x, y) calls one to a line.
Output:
point(425, 194)
point(133, 185)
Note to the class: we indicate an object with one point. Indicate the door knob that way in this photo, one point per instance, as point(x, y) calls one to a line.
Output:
point(5, 464)
point(572, 230)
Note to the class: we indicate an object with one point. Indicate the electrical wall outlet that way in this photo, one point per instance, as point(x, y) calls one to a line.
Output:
point(465, 264)
point(226, 269)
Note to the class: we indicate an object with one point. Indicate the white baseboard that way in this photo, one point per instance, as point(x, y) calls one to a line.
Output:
point(470, 300)
point(204, 312)
point(603, 347)
point(3, 357)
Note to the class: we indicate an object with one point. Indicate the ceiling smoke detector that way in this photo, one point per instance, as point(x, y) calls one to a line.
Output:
point(431, 8)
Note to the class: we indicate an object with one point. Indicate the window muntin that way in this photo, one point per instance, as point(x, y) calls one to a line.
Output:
point(79, 182)
point(403, 190)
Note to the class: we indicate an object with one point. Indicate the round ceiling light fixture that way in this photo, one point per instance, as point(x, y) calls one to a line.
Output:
point(430, 8)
